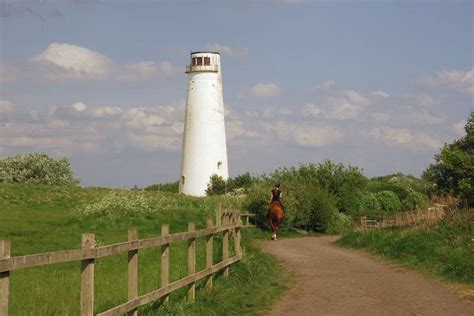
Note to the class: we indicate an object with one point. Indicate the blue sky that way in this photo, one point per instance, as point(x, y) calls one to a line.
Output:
point(380, 85)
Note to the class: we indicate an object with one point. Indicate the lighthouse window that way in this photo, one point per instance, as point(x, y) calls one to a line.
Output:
point(199, 61)
point(219, 165)
point(194, 61)
point(207, 61)
point(182, 180)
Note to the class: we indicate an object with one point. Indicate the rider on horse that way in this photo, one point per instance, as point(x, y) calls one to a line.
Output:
point(276, 212)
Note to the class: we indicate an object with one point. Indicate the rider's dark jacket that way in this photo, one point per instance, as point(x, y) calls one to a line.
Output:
point(276, 195)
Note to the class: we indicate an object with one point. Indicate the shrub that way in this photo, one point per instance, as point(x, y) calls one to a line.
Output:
point(257, 202)
point(243, 181)
point(389, 201)
point(39, 168)
point(368, 205)
point(216, 186)
point(414, 200)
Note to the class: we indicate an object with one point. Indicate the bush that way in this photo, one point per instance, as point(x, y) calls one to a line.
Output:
point(368, 205)
point(389, 201)
point(216, 186)
point(414, 200)
point(257, 202)
point(38, 168)
point(243, 181)
point(315, 210)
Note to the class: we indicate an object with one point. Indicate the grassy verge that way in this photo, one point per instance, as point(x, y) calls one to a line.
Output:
point(41, 218)
point(444, 250)
point(253, 286)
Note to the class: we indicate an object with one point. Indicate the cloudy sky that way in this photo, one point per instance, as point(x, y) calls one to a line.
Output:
point(380, 84)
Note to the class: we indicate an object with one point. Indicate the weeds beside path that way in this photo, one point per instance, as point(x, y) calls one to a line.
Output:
point(339, 281)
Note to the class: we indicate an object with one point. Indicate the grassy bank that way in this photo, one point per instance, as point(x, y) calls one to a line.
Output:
point(444, 250)
point(45, 218)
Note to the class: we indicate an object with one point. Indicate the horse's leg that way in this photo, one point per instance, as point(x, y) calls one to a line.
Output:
point(271, 224)
point(277, 228)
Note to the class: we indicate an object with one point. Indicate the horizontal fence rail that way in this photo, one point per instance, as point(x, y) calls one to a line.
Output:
point(228, 223)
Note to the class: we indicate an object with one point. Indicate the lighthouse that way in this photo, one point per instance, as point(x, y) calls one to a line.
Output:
point(204, 151)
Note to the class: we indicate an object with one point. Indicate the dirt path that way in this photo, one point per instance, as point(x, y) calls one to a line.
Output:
point(335, 281)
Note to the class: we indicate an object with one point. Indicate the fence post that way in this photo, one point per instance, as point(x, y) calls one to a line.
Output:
point(192, 261)
point(225, 245)
point(219, 214)
point(247, 220)
point(5, 247)
point(237, 236)
point(87, 277)
point(209, 253)
point(165, 260)
point(133, 270)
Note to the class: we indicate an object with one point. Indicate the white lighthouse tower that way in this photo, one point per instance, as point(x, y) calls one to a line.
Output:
point(204, 143)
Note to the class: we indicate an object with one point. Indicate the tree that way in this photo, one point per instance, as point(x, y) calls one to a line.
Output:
point(216, 186)
point(243, 181)
point(453, 170)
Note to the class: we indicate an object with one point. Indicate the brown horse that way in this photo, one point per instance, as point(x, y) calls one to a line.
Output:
point(275, 215)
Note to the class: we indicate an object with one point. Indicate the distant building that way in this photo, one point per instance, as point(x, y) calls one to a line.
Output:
point(204, 151)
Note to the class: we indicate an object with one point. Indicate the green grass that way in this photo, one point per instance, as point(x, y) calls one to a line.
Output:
point(444, 250)
point(42, 218)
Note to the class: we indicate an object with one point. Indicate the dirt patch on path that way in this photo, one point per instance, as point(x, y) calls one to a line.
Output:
point(336, 281)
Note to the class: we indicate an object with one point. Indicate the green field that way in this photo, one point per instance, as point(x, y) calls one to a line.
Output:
point(48, 218)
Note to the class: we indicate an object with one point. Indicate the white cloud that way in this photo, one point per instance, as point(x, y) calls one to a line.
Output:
point(427, 118)
point(73, 62)
point(146, 70)
point(67, 61)
point(380, 117)
point(405, 138)
point(461, 81)
point(79, 110)
point(311, 110)
point(262, 90)
point(6, 106)
point(138, 118)
point(224, 49)
point(345, 106)
point(105, 112)
point(325, 85)
point(459, 127)
point(426, 100)
point(37, 142)
point(8, 73)
point(79, 106)
point(235, 129)
point(380, 94)
point(305, 135)
point(152, 142)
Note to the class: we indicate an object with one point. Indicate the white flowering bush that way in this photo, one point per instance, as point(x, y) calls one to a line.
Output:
point(38, 168)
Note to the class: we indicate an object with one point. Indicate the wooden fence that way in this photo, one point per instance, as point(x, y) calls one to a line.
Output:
point(406, 219)
point(228, 223)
